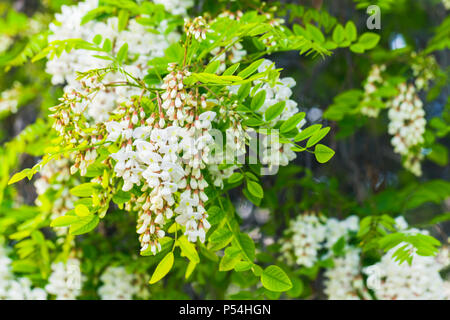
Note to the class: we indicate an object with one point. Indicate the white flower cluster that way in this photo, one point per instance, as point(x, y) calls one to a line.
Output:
point(420, 280)
point(142, 44)
point(407, 125)
point(424, 70)
point(308, 234)
point(65, 281)
point(304, 238)
point(388, 279)
point(344, 281)
point(176, 7)
point(14, 288)
point(166, 155)
point(336, 229)
point(196, 28)
point(118, 284)
point(446, 4)
point(9, 102)
point(374, 79)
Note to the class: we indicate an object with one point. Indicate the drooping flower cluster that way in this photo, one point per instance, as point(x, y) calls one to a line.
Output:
point(166, 154)
point(407, 126)
point(309, 234)
point(424, 70)
point(420, 280)
point(374, 79)
point(9, 99)
point(176, 7)
point(65, 281)
point(344, 281)
point(303, 240)
point(387, 278)
point(15, 288)
point(142, 44)
point(196, 28)
point(117, 284)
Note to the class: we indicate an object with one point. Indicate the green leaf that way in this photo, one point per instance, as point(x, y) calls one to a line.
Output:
point(338, 34)
point(122, 54)
point(255, 189)
point(244, 91)
point(350, 31)
point(82, 211)
point(97, 39)
point(63, 221)
point(212, 67)
point(124, 15)
point(235, 177)
point(163, 268)
point(368, 40)
point(292, 122)
point(215, 215)
point(250, 69)
point(228, 263)
point(107, 45)
point(275, 279)
point(315, 33)
point(258, 100)
point(82, 190)
point(323, 153)
point(120, 197)
point(190, 268)
point(220, 239)
point(357, 48)
point(19, 176)
point(274, 110)
point(188, 249)
point(245, 245)
point(84, 224)
point(307, 132)
point(231, 70)
point(317, 136)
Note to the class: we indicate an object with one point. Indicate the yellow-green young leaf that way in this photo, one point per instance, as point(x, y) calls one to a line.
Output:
point(338, 34)
point(123, 51)
point(258, 100)
point(275, 279)
point(231, 69)
point(246, 246)
point(274, 110)
point(188, 249)
point(227, 263)
point(323, 153)
point(292, 122)
point(82, 190)
point(190, 268)
point(317, 136)
point(255, 189)
point(368, 40)
point(235, 177)
point(84, 224)
point(19, 176)
point(63, 221)
point(81, 210)
point(123, 19)
point(163, 268)
point(307, 132)
point(220, 239)
point(250, 69)
point(212, 67)
point(357, 48)
point(350, 31)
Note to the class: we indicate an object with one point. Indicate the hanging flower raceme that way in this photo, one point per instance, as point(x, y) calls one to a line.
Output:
point(407, 125)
